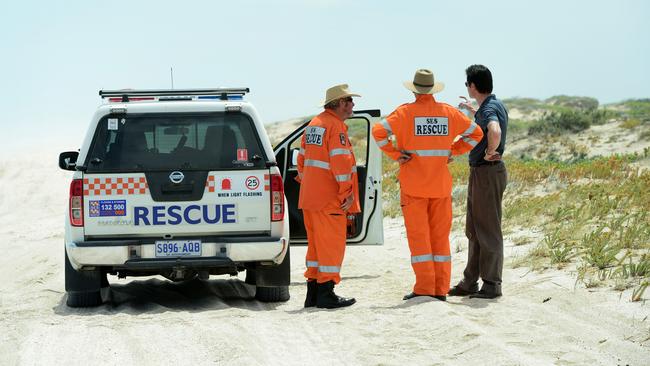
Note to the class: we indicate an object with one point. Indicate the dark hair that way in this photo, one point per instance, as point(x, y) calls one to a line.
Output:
point(481, 77)
point(333, 104)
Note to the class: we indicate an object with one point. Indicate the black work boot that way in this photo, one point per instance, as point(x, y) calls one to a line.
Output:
point(312, 292)
point(327, 299)
point(413, 294)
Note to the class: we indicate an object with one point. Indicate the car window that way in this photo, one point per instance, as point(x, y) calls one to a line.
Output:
point(149, 142)
point(358, 135)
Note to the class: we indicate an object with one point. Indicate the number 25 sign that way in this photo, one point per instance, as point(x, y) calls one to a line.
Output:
point(252, 183)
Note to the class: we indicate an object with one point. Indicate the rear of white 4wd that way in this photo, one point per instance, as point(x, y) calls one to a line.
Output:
point(176, 183)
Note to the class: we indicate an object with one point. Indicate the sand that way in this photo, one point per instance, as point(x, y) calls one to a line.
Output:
point(543, 318)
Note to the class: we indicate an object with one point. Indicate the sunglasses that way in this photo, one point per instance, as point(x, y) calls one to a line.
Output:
point(348, 99)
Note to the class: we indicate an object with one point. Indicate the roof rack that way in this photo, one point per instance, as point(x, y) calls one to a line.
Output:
point(125, 94)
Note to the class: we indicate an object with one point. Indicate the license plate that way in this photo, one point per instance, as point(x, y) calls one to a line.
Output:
point(178, 248)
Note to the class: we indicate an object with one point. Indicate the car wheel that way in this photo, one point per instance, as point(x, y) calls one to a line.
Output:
point(83, 287)
point(272, 294)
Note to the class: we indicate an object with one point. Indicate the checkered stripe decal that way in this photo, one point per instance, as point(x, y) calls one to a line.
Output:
point(210, 184)
point(115, 186)
point(267, 182)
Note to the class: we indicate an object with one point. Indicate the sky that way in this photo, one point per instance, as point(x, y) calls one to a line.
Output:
point(57, 55)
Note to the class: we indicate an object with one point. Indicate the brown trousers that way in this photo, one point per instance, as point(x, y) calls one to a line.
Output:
point(483, 227)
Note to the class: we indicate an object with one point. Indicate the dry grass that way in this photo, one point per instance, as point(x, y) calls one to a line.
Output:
point(592, 212)
point(598, 221)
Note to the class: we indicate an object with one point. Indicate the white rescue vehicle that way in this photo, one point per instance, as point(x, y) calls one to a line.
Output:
point(185, 183)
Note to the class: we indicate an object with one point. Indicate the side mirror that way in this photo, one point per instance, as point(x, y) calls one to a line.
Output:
point(294, 157)
point(68, 160)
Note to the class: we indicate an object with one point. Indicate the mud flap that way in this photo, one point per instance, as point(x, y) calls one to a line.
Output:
point(82, 281)
point(83, 287)
point(274, 276)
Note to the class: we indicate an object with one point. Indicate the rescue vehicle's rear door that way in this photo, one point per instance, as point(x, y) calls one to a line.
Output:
point(176, 174)
point(366, 227)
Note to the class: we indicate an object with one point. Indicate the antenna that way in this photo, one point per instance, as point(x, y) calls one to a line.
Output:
point(171, 74)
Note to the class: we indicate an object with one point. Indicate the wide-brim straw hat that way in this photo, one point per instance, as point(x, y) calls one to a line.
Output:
point(337, 92)
point(424, 83)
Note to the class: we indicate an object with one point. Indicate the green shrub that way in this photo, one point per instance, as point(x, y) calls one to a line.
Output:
point(598, 249)
point(602, 116)
point(638, 269)
point(630, 123)
point(557, 123)
point(638, 108)
point(517, 127)
point(559, 250)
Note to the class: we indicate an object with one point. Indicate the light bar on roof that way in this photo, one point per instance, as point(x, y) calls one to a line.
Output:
point(222, 92)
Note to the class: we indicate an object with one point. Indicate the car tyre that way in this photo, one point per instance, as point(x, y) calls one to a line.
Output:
point(272, 294)
point(83, 287)
point(84, 299)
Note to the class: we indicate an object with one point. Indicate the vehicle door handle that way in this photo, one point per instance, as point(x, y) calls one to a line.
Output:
point(177, 188)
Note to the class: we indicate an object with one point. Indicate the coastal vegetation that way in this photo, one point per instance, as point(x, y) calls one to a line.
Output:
point(588, 214)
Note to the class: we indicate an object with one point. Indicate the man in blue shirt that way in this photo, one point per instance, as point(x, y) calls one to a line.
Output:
point(487, 181)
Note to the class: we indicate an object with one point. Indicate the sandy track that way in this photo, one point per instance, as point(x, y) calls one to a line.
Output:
point(151, 321)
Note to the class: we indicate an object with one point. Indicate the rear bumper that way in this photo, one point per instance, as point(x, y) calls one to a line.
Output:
point(137, 254)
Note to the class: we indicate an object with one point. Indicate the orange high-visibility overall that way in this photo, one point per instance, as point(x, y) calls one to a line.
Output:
point(426, 130)
point(328, 174)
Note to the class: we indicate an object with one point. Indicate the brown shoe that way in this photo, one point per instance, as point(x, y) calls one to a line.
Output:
point(459, 291)
point(485, 295)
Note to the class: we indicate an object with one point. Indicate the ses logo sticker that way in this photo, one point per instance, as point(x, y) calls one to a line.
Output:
point(314, 135)
point(107, 208)
point(431, 126)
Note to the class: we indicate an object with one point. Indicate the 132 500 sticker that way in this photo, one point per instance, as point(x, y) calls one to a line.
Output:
point(107, 208)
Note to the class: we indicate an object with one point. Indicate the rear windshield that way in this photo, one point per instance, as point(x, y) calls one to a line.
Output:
point(148, 142)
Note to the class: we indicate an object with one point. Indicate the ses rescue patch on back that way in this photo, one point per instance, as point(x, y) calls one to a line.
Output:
point(431, 126)
point(107, 208)
point(314, 135)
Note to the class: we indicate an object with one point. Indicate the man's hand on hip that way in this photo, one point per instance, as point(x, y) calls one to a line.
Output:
point(404, 157)
point(495, 156)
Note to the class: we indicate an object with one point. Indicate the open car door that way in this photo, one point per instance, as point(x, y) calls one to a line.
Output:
point(368, 226)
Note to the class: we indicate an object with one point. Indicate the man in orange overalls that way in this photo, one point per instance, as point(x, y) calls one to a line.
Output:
point(329, 189)
point(424, 132)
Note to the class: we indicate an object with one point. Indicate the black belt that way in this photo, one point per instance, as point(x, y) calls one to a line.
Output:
point(482, 163)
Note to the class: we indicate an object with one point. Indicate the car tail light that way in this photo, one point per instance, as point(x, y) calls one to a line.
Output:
point(77, 202)
point(277, 198)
